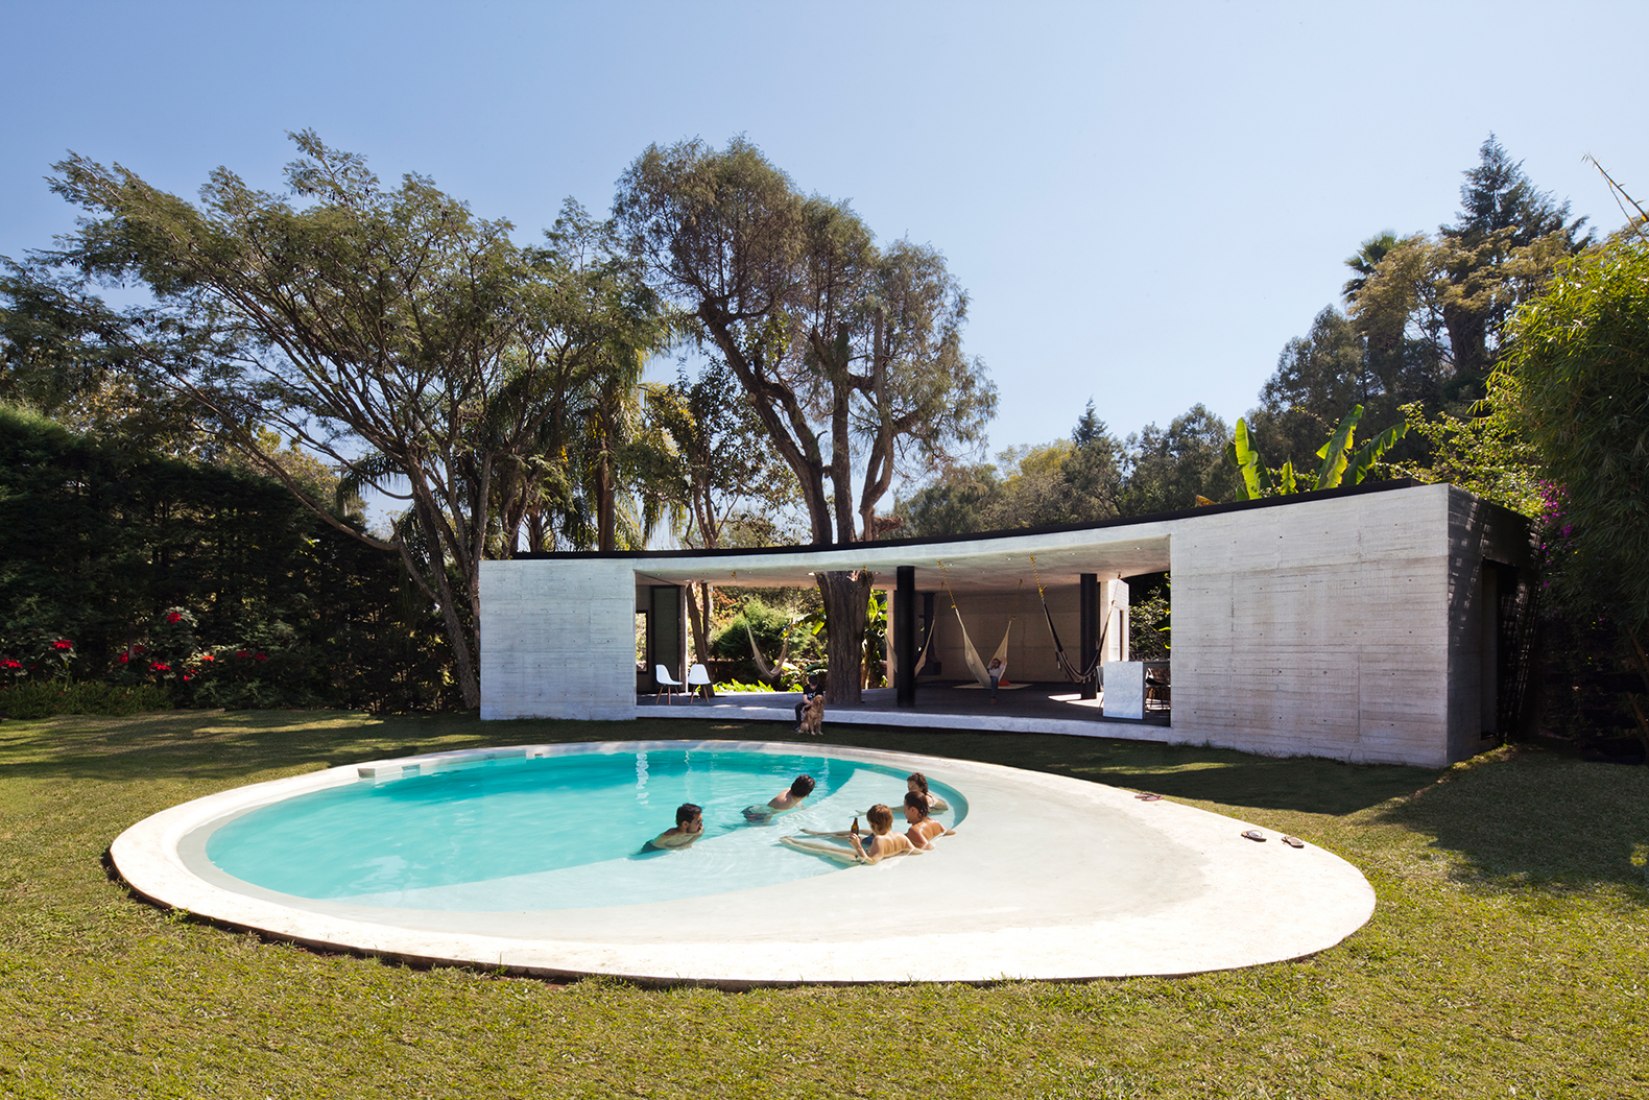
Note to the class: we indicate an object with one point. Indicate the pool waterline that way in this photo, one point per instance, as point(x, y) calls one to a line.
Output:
point(547, 830)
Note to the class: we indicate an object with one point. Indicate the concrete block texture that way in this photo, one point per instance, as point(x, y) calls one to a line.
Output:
point(558, 639)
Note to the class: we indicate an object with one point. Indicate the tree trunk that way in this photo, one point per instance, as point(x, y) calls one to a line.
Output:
point(846, 601)
point(698, 617)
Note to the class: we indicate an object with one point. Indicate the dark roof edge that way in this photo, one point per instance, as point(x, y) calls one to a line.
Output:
point(985, 536)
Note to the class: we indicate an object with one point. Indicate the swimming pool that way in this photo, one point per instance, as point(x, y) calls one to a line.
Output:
point(542, 832)
point(1046, 877)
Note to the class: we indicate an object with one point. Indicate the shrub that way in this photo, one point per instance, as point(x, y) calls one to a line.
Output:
point(42, 699)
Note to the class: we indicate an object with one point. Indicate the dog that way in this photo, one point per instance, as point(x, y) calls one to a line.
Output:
point(812, 717)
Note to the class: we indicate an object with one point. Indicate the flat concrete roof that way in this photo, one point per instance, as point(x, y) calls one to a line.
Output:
point(1047, 878)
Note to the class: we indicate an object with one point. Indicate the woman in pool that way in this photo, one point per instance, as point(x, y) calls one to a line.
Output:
point(884, 843)
point(918, 783)
point(923, 829)
point(783, 802)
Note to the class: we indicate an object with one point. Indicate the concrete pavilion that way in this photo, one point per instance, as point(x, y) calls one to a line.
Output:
point(1386, 623)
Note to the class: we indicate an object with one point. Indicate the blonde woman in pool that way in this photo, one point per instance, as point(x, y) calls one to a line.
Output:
point(884, 843)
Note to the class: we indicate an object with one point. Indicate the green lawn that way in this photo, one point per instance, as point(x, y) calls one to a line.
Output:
point(1509, 955)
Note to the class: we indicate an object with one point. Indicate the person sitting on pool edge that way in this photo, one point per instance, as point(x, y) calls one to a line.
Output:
point(783, 802)
point(884, 843)
point(689, 827)
point(923, 829)
point(918, 782)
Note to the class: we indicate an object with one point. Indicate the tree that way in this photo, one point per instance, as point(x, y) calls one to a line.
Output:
point(73, 360)
point(1170, 469)
point(711, 464)
point(1575, 381)
point(849, 354)
point(408, 343)
point(962, 499)
point(1318, 375)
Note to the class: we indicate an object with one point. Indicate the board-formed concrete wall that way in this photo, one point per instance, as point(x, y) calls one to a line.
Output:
point(1338, 627)
point(1356, 626)
point(558, 639)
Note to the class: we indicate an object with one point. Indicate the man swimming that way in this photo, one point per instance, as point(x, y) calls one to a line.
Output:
point(689, 827)
point(783, 802)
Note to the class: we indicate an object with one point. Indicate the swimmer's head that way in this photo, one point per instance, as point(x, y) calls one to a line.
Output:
point(916, 803)
point(916, 781)
point(881, 819)
point(687, 813)
point(802, 787)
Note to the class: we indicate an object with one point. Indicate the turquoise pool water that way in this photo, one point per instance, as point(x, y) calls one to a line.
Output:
point(554, 832)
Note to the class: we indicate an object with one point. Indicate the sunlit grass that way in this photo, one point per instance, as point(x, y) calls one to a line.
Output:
point(1509, 954)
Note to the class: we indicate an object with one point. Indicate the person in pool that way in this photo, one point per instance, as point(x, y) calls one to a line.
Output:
point(923, 829)
point(918, 783)
point(783, 802)
point(689, 827)
point(884, 843)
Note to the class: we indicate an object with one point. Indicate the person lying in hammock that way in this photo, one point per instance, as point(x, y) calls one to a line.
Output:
point(783, 802)
point(884, 843)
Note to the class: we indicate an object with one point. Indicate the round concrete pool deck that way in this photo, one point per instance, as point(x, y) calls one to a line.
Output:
point(1046, 878)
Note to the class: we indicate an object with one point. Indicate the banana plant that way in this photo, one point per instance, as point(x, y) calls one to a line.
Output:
point(1339, 460)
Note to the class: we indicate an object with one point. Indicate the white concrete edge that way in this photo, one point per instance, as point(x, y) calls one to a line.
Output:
point(147, 856)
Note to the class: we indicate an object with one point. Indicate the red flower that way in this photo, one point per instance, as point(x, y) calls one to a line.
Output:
point(207, 657)
point(187, 677)
point(9, 663)
point(174, 617)
point(62, 643)
point(160, 667)
point(260, 656)
point(123, 658)
point(244, 654)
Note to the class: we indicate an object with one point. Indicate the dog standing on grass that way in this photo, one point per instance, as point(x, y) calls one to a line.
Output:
point(812, 716)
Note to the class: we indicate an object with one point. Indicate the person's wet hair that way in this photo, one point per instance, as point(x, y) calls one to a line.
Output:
point(915, 801)
point(686, 812)
point(919, 779)
point(802, 787)
point(880, 817)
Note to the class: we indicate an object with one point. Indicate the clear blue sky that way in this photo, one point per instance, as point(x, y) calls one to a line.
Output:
point(1145, 201)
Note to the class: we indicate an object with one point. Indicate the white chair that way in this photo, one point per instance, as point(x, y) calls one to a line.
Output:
point(666, 683)
point(698, 677)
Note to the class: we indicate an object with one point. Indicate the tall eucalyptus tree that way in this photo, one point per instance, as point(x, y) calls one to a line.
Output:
point(850, 355)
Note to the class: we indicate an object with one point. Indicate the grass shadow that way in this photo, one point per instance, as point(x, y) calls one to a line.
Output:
point(1524, 817)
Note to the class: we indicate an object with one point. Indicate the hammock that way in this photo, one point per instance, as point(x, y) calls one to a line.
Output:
point(1066, 665)
point(927, 647)
point(770, 673)
point(980, 670)
point(976, 666)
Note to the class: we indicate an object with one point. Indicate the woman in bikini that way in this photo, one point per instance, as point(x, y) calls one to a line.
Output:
point(923, 829)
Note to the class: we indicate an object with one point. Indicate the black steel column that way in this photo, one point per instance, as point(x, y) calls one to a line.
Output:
point(1088, 613)
point(905, 640)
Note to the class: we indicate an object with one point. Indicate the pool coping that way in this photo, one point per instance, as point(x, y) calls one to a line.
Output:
point(1028, 883)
